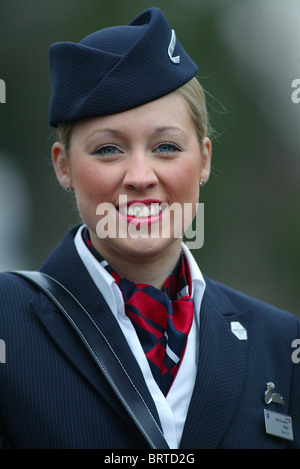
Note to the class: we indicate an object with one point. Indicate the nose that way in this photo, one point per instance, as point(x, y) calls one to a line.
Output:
point(140, 174)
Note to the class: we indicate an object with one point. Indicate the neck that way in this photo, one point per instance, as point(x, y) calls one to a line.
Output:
point(151, 270)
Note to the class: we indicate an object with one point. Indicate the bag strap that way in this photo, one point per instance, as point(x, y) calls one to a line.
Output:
point(102, 353)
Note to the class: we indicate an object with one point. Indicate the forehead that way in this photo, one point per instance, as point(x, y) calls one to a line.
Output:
point(170, 111)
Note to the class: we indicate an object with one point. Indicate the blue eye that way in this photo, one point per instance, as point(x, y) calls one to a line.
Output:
point(167, 147)
point(106, 150)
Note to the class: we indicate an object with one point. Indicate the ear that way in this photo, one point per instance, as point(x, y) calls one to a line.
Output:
point(206, 159)
point(61, 165)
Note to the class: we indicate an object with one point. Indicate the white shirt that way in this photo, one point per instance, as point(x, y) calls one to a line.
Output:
point(172, 410)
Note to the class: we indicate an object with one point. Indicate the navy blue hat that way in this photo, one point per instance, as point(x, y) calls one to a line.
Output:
point(117, 68)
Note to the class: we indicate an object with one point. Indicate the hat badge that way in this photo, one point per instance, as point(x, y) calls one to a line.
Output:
point(175, 60)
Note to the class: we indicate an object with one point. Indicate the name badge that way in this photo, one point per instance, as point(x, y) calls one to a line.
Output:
point(278, 424)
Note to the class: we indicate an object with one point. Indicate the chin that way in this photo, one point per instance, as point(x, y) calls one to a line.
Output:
point(143, 248)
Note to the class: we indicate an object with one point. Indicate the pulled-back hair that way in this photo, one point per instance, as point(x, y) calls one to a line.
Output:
point(194, 96)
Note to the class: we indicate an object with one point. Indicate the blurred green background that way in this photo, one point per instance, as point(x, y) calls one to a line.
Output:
point(248, 54)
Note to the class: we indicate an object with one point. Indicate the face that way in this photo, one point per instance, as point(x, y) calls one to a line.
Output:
point(132, 173)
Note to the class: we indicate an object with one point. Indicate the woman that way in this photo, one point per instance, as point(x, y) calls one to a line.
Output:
point(191, 363)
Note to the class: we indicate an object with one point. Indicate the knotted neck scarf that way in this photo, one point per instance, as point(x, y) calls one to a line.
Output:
point(162, 318)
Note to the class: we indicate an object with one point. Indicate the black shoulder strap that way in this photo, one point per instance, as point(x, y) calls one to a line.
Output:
point(103, 354)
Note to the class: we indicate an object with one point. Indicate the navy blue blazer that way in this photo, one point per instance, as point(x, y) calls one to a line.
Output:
point(52, 395)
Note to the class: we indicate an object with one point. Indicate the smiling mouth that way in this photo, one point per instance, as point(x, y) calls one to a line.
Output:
point(142, 210)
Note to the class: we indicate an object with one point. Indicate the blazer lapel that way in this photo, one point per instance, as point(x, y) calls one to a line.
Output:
point(65, 266)
point(67, 341)
point(221, 372)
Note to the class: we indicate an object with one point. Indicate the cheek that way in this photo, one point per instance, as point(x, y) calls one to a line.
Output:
point(91, 183)
point(93, 186)
point(184, 181)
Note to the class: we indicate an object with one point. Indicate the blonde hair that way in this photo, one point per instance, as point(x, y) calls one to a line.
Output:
point(194, 96)
point(65, 130)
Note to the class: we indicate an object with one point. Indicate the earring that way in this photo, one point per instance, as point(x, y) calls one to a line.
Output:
point(69, 189)
point(202, 182)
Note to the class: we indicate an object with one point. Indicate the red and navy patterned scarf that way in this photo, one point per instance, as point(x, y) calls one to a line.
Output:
point(162, 318)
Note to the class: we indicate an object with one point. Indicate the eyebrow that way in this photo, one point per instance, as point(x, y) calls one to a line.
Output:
point(108, 131)
point(175, 129)
point(156, 130)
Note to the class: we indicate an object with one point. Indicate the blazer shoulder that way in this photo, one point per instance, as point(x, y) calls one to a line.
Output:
point(16, 290)
point(260, 310)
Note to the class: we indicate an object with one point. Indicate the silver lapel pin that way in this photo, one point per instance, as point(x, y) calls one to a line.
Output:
point(272, 397)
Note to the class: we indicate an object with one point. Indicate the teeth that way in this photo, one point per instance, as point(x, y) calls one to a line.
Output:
point(141, 211)
point(153, 211)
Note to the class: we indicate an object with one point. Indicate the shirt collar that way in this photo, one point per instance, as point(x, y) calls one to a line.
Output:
point(106, 283)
